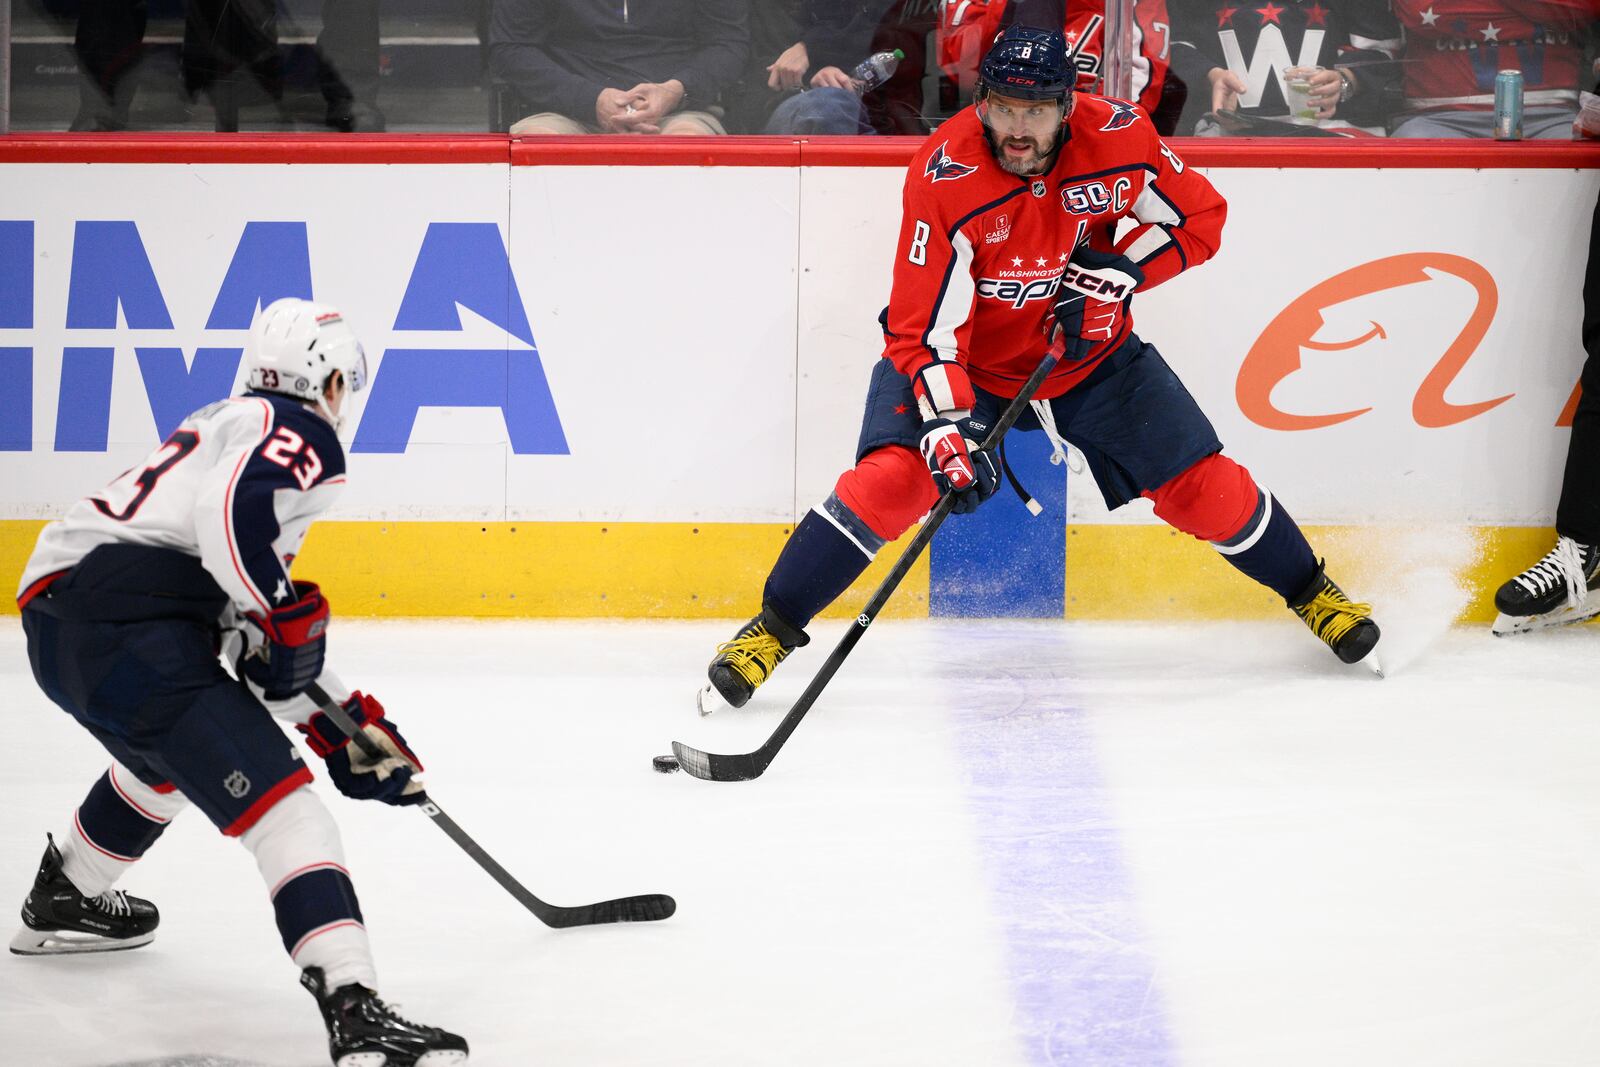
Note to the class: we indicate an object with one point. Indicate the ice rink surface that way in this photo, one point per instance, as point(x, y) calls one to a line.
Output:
point(1006, 843)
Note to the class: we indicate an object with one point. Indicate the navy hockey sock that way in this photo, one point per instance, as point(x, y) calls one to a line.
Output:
point(829, 549)
point(297, 849)
point(112, 823)
point(1271, 549)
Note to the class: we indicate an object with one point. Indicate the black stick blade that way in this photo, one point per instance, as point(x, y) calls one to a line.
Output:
point(711, 767)
point(649, 907)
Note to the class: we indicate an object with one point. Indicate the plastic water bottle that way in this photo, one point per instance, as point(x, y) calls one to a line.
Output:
point(875, 70)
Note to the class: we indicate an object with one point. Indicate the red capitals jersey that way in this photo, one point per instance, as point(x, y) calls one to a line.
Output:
point(968, 27)
point(981, 250)
point(1454, 49)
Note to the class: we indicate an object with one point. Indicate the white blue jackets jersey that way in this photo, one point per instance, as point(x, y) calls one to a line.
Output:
point(237, 485)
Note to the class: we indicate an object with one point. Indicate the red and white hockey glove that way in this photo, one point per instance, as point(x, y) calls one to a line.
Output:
point(391, 779)
point(959, 466)
point(295, 643)
point(1089, 300)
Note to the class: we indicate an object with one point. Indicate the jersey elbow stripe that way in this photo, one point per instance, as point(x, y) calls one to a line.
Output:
point(228, 509)
point(1148, 245)
point(955, 300)
point(1155, 206)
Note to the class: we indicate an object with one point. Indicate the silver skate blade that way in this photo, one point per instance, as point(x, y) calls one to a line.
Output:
point(31, 942)
point(709, 700)
point(1373, 663)
point(431, 1058)
point(1506, 625)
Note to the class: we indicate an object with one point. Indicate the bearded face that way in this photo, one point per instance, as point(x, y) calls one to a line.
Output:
point(1022, 133)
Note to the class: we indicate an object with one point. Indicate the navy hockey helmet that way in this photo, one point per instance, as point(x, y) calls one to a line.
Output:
point(1027, 63)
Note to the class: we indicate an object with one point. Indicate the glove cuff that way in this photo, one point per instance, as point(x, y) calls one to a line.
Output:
point(299, 623)
point(943, 387)
point(324, 735)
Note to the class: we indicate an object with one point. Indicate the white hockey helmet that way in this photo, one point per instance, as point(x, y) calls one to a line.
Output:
point(295, 345)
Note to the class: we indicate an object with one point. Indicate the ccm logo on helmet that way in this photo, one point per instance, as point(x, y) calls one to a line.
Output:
point(1014, 292)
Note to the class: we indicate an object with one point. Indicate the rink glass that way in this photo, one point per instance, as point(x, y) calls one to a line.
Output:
point(425, 67)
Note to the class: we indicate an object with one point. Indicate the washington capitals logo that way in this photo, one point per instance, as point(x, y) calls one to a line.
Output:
point(1123, 115)
point(942, 168)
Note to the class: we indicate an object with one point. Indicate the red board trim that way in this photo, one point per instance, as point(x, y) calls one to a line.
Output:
point(1364, 153)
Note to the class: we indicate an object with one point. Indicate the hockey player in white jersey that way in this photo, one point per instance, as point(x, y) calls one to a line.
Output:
point(131, 604)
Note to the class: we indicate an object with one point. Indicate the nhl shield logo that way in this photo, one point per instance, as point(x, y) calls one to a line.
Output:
point(1038, 187)
point(236, 784)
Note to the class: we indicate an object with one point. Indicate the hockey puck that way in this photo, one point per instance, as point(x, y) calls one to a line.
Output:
point(665, 764)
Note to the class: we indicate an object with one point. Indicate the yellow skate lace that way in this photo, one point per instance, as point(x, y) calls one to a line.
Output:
point(753, 655)
point(1331, 614)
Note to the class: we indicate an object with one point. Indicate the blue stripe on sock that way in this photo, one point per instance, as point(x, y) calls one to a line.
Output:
point(853, 524)
point(315, 898)
point(108, 821)
point(1249, 527)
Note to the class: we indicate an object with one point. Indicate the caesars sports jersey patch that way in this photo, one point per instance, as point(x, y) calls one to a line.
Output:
point(942, 168)
point(996, 229)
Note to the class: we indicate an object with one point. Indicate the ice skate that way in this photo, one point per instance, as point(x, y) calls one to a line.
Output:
point(57, 919)
point(1343, 626)
point(1556, 591)
point(742, 664)
point(363, 1031)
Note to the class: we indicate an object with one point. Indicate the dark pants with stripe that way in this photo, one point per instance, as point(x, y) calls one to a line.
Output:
point(1578, 513)
point(152, 690)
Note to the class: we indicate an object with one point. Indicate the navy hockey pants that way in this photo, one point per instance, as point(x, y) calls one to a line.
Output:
point(154, 693)
point(1133, 420)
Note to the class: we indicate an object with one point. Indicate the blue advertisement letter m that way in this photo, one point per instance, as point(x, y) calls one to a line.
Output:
point(465, 264)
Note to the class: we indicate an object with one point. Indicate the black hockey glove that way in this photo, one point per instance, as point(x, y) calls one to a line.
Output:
point(1089, 300)
point(390, 779)
point(958, 465)
point(296, 641)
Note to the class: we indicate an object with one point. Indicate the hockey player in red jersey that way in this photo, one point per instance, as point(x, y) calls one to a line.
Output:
point(1008, 245)
point(126, 602)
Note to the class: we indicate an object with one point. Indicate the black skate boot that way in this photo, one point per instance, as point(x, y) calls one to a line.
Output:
point(1553, 592)
point(363, 1031)
point(57, 919)
point(743, 663)
point(1343, 626)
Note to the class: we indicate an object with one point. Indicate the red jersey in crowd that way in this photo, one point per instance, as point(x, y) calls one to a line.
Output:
point(1454, 49)
point(968, 27)
point(981, 250)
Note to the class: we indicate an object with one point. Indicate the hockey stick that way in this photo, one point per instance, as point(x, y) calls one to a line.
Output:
point(644, 908)
point(747, 765)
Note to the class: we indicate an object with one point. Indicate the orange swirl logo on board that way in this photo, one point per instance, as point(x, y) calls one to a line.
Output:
point(1276, 353)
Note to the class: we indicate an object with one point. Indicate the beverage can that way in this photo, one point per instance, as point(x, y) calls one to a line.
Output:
point(1508, 105)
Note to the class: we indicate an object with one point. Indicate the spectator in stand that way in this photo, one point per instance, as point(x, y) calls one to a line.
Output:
point(582, 67)
point(1454, 49)
point(221, 38)
point(1233, 56)
point(798, 79)
point(348, 65)
point(968, 27)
